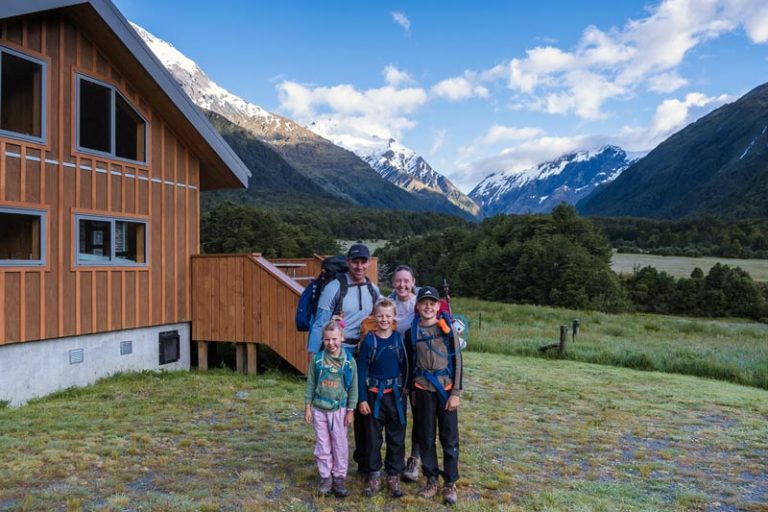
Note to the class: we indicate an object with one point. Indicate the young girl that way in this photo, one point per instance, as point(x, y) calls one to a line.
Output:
point(330, 397)
point(383, 372)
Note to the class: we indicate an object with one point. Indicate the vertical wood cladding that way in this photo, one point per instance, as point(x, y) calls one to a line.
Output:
point(61, 298)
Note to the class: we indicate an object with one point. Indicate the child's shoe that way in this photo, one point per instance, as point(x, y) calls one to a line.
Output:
point(393, 482)
point(339, 487)
point(412, 471)
point(324, 489)
point(449, 494)
point(430, 488)
point(373, 484)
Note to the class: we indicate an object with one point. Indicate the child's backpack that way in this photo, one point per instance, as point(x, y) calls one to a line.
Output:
point(381, 384)
point(446, 334)
point(324, 371)
point(331, 268)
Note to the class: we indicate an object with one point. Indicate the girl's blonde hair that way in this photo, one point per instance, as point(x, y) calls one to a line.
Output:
point(334, 324)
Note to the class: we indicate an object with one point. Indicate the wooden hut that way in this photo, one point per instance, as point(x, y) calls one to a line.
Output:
point(102, 161)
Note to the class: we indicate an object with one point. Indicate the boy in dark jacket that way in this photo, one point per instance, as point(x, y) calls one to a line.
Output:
point(382, 374)
point(436, 384)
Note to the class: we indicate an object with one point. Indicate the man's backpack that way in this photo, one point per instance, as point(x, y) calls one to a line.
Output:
point(305, 312)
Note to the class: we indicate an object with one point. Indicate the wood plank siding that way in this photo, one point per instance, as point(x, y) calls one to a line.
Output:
point(245, 299)
point(62, 298)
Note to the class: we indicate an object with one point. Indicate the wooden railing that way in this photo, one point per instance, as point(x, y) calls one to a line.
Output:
point(304, 270)
point(243, 298)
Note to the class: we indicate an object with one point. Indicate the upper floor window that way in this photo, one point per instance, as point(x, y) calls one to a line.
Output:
point(22, 95)
point(107, 123)
point(108, 241)
point(22, 237)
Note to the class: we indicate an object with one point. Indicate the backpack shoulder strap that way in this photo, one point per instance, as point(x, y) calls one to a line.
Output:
point(371, 290)
point(339, 301)
point(374, 347)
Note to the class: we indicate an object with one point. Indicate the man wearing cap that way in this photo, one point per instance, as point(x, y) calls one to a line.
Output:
point(356, 304)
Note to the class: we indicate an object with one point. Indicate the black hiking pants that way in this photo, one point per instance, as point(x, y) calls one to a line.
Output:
point(429, 416)
point(389, 422)
point(360, 455)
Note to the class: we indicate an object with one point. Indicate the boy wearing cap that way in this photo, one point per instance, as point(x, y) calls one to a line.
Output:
point(436, 382)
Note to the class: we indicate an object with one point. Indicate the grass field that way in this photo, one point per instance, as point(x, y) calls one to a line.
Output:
point(735, 350)
point(537, 434)
point(680, 266)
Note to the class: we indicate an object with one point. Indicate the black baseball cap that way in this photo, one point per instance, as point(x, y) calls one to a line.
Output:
point(358, 251)
point(427, 292)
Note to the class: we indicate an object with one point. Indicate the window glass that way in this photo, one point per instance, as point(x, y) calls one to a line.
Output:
point(95, 116)
point(129, 131)
point(129, 242)
point(21, 95)
point(21, 237)
point(108, 123)
point(104, 241)
point(95, 241)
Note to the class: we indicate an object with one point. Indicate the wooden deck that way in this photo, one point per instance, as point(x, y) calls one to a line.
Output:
point(246, 299)
point(243, 298)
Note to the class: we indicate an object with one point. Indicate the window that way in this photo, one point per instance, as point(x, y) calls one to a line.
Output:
point(107, 123)
point(105, 241)
point(22, 237)
point(22, 95)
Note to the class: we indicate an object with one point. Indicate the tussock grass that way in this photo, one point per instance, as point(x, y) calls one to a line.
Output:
point(536, 434)
point(730, 350)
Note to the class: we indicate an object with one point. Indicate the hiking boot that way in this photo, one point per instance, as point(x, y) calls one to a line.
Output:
point(373, 484)
point(449, 494)
point(324, 489)
point(393, 482)
point(339, 489)
point(412, 471)
point(430, 488)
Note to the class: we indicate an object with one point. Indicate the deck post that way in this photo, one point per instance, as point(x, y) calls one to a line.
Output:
point(252, 358)
point(240, 357)
point(202, 355)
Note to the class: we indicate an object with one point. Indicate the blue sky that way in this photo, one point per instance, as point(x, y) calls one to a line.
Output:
point(476, 87)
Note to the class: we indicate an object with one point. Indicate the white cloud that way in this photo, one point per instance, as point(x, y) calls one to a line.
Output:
point(644, 54)
point(438, 141)
point(666, 82)
point(395, 77)
point(498, 133)
point(343, 111)
point(460, 88)
point(401, 19)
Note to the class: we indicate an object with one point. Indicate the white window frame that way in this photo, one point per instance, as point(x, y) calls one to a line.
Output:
point(43, 98)
point(43, 214)
point(113, 128)
point(81, 261)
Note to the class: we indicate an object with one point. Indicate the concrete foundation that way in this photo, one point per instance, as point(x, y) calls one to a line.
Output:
point(35, 369)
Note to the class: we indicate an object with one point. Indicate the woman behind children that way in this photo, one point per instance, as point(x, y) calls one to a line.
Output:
point(329, 401)
point(404, 296)
point(435, 357)
point(383, 371)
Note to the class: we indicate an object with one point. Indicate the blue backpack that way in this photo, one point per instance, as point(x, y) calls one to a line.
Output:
point(332, 268)
point(323, 371)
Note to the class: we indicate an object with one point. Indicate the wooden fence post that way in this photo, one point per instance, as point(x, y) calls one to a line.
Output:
point(563, 337)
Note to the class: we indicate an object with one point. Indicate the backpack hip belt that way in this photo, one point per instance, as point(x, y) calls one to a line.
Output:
point(432, 378)
point(383, 384)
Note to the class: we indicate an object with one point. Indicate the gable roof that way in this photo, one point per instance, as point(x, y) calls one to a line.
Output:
point(221, 167)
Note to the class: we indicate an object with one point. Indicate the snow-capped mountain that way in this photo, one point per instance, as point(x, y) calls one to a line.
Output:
point(539, 189)
point(403, 167)
point(332, 166)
